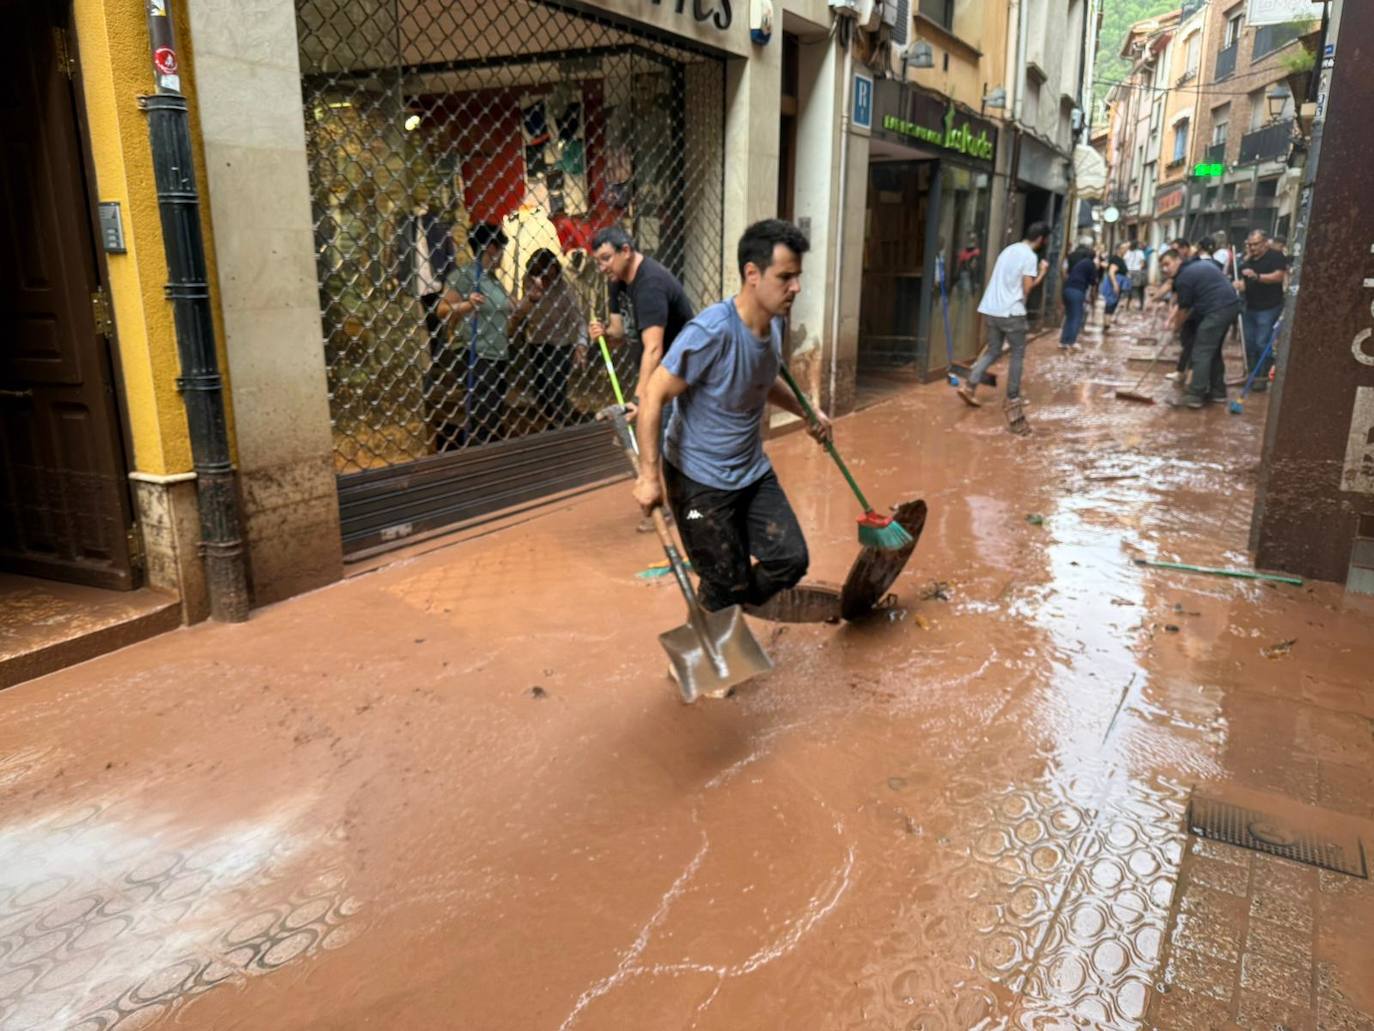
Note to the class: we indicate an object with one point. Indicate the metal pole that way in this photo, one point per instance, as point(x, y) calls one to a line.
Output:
point(837, 291)
point(200, 383)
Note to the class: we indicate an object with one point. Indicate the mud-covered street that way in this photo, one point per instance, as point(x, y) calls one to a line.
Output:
point(458, 791)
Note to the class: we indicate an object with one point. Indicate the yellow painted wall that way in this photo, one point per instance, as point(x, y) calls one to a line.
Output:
point(112, 43)
point(981, 27)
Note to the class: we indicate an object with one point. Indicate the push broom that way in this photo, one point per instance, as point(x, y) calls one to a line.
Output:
point(875, 531)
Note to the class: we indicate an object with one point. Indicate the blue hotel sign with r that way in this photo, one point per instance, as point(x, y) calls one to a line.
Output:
point(861, 117)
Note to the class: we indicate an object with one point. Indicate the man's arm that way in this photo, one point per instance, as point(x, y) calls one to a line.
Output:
point(663, 386)
point(781, 395)
point(1029, 283)
point(652, 339)
point(1177, 319)
point(613, 329)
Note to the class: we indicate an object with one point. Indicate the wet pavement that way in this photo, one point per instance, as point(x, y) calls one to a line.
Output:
point(459, 791)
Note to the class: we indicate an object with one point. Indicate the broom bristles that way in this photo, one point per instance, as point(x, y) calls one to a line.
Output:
point(883, 534)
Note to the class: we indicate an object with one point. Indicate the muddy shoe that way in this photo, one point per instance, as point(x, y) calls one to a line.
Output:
point(966, 395)
point(646, 525)
point(1015, 411)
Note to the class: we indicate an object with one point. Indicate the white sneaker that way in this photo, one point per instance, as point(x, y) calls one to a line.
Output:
point(1173, 377)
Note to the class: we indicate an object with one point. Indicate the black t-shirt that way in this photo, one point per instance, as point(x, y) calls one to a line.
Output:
point(1264, 296)
point(1117, 262)
point(1081, 274)
point(1203, 288)
point(658, 300)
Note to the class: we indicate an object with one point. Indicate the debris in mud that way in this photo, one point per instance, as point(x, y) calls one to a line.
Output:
point(1170, 628)
point(1275, 651)
point(1035, 519)
point(1178, 607)
point(537, 692)
point(939, 590)
point(1113, 476)
point(921, 621)
point(896, 783)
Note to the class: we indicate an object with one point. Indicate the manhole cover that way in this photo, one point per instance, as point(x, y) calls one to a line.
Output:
point(1263, 832)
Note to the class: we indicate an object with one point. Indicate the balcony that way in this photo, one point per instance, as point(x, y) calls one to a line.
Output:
point(1268, 144)
point(1271, 37)
point(1226, 62)
point(1216, 153)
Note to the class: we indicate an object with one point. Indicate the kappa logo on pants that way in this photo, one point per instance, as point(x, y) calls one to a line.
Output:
point(694, 514)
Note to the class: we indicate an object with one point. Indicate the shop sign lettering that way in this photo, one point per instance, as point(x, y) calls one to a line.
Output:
point(952, 136)
point(702, 11)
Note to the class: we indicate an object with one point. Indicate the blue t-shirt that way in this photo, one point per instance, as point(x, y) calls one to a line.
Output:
point(715, 435)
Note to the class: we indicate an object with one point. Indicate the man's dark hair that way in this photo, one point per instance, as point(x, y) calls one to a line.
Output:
point(616, 236)
point(1179, 244)
point(484, 234)
point(1135, 244)
point(1038, 231)
point(1279, 241)
point(757, 243)
point(1171, 253)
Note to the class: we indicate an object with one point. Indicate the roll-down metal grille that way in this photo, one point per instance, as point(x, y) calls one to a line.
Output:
point(434, 127)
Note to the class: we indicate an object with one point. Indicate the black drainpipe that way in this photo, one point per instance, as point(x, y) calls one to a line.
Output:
point(200, 383)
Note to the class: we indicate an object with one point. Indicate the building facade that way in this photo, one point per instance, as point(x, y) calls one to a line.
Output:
point(1249, 125)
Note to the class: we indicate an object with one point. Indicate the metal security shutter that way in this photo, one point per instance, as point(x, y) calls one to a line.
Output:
point(429, 123)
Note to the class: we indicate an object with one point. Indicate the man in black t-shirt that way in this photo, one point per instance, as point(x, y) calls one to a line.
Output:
point(658, 301)
point(1203, 293)
point(1261, 282)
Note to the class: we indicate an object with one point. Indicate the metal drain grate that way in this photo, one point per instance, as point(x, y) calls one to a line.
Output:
point(1262, 832)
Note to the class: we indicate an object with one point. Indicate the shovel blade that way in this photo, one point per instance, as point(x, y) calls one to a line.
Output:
point(696, 671)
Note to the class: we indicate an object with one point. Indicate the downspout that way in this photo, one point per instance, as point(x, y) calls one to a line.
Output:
point(1017, 77)
point(200, 383)
point(838, 292)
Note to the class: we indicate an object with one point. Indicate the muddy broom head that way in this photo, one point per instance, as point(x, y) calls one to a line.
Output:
point(882, 532)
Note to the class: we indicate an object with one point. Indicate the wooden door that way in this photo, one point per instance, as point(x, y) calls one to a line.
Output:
point(65, 510)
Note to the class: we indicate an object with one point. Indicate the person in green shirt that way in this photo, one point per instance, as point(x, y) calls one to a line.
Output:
point(484, 317)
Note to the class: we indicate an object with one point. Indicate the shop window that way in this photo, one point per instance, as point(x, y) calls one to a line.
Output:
point(434, 126)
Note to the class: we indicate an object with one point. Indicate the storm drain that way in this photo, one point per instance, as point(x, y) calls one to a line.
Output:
point(1263, 832)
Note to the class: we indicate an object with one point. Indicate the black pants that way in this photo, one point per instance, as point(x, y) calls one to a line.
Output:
point(1208, 379)
point(552, 369)
point(487, 407)
point(721, 529)
point(1187, 333)
point(438, 383)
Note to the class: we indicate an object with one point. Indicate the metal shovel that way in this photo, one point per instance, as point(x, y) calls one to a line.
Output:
point(712, 651)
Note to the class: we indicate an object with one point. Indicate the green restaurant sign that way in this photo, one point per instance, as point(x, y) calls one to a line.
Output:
point(915, 115)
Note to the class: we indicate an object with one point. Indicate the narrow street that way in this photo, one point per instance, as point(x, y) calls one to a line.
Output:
point(459, 791)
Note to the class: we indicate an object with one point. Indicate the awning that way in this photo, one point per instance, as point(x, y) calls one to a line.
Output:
point(1089, 173)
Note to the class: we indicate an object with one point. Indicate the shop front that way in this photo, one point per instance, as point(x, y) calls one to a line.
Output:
point(925, 246)
point(534, 124)
point(1170, 213)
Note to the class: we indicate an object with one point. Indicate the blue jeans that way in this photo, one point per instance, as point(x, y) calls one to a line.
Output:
point(1074, 315)
point(1259, 330)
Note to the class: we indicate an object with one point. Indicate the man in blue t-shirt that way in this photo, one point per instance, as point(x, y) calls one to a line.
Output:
point(723, 370)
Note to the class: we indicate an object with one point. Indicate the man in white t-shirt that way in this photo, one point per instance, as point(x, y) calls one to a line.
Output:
point(1018, 271)
point(1137, 273)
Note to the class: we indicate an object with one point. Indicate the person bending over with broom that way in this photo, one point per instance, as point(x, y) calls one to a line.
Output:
point(723, 369)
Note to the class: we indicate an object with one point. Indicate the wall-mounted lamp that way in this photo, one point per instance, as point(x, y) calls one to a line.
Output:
point(993, 98)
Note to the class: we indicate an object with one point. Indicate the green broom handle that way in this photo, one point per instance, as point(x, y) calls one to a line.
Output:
point(610, 369)
point(829, 445)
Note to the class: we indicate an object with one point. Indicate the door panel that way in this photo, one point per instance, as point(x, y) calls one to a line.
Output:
point(64, 501)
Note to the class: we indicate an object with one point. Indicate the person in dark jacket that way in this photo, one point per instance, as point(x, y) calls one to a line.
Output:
point(1203, 292)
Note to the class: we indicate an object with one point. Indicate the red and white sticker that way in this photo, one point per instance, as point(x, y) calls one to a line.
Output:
point(165, 59)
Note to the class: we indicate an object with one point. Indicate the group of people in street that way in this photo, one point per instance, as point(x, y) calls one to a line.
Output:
point(1210, 291)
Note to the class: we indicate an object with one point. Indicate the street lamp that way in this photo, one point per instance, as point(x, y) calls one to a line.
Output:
point(1278, 99)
